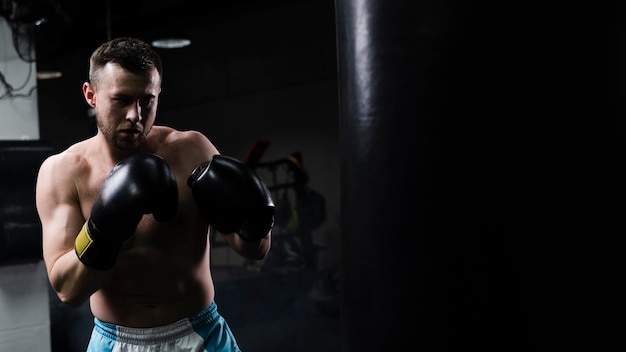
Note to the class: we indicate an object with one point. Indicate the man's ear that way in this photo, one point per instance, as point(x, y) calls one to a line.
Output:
point(90, 94)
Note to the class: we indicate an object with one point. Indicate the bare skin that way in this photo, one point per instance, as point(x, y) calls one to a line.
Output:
point(162, 273)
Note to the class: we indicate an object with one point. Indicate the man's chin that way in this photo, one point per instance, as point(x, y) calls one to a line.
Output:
point(127, 146)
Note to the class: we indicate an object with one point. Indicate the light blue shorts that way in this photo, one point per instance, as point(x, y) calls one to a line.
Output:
point(205, 331)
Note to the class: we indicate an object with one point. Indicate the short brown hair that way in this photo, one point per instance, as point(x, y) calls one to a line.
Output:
point(132, 54)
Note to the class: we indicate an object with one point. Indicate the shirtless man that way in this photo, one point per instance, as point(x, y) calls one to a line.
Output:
point(125, 215)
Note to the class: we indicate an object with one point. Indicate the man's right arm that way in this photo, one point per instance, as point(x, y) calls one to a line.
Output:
point(61, 220)
point(140, 184)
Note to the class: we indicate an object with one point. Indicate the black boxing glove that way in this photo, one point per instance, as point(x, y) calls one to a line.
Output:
point(232, 198)
point(140, 184)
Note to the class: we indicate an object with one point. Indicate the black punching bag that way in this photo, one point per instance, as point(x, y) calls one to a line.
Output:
point(389, 92)
point(419, 83)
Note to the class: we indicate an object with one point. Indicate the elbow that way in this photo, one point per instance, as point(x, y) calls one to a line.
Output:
point(258, 255)
point(71, 300)
point(264, 248)
point(261, 250)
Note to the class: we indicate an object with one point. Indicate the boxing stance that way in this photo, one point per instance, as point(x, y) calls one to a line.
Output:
point(126, 214)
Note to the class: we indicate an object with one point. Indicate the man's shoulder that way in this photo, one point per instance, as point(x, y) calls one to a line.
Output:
point(64, 162)
point(58, 173)
point(162, 130)
point(75, 153)
point(75, 157)
point(186, 146)
point(174, 137)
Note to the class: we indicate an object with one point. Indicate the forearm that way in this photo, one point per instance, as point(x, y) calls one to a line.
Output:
point(73, 281)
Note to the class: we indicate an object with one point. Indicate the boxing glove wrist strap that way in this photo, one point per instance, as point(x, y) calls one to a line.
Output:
point(96, 251)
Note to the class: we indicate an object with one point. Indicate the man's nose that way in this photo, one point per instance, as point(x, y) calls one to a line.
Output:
point(134, 113)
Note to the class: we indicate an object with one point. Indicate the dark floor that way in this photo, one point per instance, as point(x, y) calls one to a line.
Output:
point(286, 311)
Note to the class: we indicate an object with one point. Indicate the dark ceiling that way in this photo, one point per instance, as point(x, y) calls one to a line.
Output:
point(68, 24)
point(238, 46)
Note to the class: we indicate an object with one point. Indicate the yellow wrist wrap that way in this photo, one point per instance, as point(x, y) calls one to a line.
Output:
point(83, 241)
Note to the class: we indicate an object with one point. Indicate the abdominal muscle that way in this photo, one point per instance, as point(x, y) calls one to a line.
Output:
point(157, 280)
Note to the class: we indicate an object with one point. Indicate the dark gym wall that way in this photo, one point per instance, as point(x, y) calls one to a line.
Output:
point(481, 172)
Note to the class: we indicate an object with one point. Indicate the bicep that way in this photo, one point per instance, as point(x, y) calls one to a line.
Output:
point(59, 211)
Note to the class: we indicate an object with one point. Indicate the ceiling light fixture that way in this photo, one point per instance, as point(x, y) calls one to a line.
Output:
point(48, 74)
point(171, 43)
